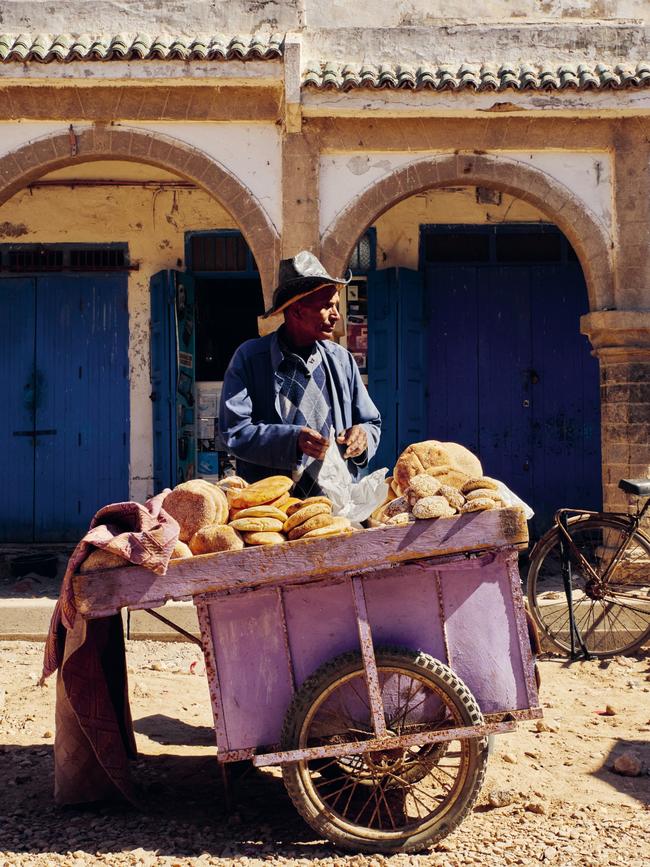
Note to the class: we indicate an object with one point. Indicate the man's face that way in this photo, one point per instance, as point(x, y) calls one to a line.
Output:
point(317, 314)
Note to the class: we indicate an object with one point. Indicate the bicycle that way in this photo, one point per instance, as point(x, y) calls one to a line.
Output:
point(589, 579)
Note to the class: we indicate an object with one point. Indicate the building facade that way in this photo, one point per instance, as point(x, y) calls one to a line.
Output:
point(488, 182)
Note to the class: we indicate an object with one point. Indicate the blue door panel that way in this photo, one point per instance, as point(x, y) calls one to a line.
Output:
point(83, 395)
point(382, 361)
point(17, 300)
point(566, 398)
point(503, 361)
point(163, 379)
point(452, 345)
point(412, 359)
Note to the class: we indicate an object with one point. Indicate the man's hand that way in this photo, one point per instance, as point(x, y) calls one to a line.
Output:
point(312, 444)
point(355, 439)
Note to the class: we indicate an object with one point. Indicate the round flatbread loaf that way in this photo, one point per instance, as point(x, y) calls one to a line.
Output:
point(315, 523)
point(422, 485)
point(452, 495)
point(256, 525)
point(462, 459)
point(401, 518)
point(451, 477)
point(210, 540)
point(303, 514)
point(432, 507)
point(232, 482)
point(337, 526)
point(264, 538)
point(192, 506)
point(181, 551)
point(262, 512)
point(489, 493)
point(288, 503)
point(281, 500)
point(264, 491)
point(417, 459)
point(99, 559)
point(309, 502)
point(479, 482)
point(480, 504)
point(219, 497)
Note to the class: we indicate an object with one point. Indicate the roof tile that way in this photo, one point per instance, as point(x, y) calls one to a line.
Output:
point(331, 76)
point(44, 48)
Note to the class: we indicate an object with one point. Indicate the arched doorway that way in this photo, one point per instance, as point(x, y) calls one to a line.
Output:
point(64, 215)
point(477, 340)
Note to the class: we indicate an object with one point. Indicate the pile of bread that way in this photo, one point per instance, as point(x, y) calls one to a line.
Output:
point(232, 514)
point(436, 480)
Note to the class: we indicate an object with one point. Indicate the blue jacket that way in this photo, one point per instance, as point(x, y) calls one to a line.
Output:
point(249, 417)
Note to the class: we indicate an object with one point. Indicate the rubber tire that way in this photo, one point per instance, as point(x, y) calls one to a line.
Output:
point(317, 814)
point(541, 551)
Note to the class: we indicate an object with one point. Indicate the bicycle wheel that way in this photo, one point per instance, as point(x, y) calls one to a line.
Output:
point(611, 613)
point(397, 800)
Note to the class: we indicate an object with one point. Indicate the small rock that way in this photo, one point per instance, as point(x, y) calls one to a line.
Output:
point(502, 797)
point(47, 734)
point(3, 696)
point(510, 758)
point(158, 666)
point(536, 807)
point(549, 853)
point(628, 764)
point(610, 711)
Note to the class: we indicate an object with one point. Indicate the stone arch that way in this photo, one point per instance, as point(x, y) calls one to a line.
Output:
point(588, 235)
point(38, 157)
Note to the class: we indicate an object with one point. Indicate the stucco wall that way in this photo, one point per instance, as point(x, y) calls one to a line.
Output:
point(153, 223)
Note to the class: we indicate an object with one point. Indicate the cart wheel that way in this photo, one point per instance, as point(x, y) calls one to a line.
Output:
point(399, 800)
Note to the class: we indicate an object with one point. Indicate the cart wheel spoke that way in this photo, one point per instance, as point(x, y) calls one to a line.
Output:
point(389, 800)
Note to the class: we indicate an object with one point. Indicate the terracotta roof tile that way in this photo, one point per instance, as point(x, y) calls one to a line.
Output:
point(44, 48)
point(330, 76)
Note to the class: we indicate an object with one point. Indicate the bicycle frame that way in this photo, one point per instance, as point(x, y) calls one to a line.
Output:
point(630, 523)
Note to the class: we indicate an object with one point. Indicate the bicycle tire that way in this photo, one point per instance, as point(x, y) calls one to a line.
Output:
point(616, 623)
point(333, 815)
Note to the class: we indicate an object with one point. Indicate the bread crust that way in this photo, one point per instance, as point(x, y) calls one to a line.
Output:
point(308, 502)
point(479, 482)
point(480, 504)
point(323, 520)
point(262, 512)
point(264, 491)
point(192, 507)
point(432, 507)
point(263, 538)
point(216, 538)
point(303, 514)
point(99, 559)
point(181, 551)
point(256, 525)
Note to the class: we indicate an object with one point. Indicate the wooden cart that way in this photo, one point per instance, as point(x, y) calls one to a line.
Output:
point(372, 666)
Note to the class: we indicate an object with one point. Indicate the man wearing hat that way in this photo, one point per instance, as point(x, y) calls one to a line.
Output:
point(283, 393)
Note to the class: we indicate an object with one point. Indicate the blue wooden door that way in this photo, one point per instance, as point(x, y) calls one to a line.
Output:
point(511, 377)
point(17, 348)
point(76, 330)
point(397, 359)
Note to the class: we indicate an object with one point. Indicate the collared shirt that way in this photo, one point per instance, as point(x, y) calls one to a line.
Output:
point(250, 420)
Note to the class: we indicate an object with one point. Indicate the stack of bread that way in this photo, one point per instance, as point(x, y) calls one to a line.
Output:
point(436, 480)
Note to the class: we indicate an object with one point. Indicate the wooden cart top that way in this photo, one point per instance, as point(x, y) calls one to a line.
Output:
point(98, 594)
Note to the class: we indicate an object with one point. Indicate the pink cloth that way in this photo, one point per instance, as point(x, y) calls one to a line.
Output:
point(94, 732)
point(144, 535)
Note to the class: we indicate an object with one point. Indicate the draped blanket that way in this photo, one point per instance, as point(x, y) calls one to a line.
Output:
point(94, 732)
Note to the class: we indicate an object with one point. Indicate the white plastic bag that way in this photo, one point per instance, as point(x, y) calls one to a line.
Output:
point(353, 500)
point(511, 499)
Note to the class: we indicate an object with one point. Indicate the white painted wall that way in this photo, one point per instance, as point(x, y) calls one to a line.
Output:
point(343, 178)
point(249, 151)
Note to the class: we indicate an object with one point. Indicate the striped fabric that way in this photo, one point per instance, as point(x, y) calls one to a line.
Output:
point(305, 401)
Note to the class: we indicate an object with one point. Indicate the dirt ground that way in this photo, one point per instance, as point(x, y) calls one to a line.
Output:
point(566, 805)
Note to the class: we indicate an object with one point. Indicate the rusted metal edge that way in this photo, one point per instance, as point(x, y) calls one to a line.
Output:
point(279, 591)
point(369, 661)
point(205, 624)
point(522, 631)
point(443, 619)
point(514, 715)
point(382, 744)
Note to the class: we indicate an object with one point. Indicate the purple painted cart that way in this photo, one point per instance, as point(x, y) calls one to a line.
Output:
point(371, 667)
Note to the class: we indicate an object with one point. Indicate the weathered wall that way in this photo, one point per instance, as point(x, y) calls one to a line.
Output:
point(153, 223)
point(251, 15)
